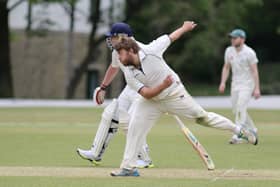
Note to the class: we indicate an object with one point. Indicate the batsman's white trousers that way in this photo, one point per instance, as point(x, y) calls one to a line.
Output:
point(148, 111)
point(240, 101)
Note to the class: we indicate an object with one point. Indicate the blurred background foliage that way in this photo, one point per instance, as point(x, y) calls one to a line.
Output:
point(197, 57)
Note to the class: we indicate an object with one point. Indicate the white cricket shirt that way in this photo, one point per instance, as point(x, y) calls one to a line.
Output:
point(153, 69)
point(158, 46)
point(242, 77)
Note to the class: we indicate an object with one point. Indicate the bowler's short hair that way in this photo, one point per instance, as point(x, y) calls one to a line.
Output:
point(127, 43)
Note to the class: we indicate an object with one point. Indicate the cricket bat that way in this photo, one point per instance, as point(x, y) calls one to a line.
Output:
point(196, 145)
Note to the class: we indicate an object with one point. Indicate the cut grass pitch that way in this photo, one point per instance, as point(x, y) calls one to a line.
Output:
point(48, 137)
point(170, 173)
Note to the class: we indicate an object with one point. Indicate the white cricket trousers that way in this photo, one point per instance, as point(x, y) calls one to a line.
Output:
point(147, 112)
point(240, 101)
point(125, 105)
point(126, 101)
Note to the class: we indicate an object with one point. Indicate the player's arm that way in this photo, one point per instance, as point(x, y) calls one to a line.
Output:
point(255, 72)
point(159, 45)
point(146, 92)
point(224, 77)
point(99, 92)
point(110, 75)
point(149, 93)
point(187, 26)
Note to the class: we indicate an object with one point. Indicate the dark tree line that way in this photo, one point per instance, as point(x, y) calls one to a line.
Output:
point(197, 57)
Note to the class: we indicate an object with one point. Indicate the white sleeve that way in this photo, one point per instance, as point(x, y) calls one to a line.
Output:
point(226, 57)
point(115, 59)
point(159, 45)
point(131, 81)
point(252, 57)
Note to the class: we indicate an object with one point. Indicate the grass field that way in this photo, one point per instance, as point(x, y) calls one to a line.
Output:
point(38, 149)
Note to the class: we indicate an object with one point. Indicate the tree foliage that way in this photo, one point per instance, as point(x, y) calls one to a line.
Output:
point(6, 83)
point(263, 22)
point(93, 44)
point(198, 56)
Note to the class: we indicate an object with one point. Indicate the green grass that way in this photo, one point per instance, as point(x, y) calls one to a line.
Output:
point(49, 137)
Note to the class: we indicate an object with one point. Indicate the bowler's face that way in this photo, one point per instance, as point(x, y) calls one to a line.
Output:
point(125, 57)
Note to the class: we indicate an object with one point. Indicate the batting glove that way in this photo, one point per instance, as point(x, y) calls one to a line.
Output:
point(99, 94)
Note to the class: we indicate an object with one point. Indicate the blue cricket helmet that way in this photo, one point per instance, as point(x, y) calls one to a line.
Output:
point(119, 28)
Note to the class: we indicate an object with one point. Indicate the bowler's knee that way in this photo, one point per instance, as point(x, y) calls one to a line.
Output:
point(203, 120)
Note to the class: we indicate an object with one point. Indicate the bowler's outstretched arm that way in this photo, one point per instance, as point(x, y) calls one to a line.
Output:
point(187, 26)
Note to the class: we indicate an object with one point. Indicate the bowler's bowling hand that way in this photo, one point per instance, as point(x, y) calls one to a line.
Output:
point(188, 25)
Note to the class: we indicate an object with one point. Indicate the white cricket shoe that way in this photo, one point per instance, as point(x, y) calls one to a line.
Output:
point(144, 164)
point(249, 135)
point(235, 140)
point(88, 155)
point(125, 173)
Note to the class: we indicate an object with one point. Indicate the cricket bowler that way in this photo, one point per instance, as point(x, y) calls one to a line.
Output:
point(162, 92)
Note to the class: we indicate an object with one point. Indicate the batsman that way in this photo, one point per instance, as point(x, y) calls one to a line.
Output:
point(162, 92)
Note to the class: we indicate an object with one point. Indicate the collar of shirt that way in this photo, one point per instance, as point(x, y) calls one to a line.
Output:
point(142, 55)
point(241, 49)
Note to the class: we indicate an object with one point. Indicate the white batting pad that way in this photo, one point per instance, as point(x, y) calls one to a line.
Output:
point(103, 130)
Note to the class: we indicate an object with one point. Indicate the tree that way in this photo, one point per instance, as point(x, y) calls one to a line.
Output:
point(198, 56)
point(264, 34)
point(6, 81)
point(93, 44)
point(132, 7)
point(70, 9)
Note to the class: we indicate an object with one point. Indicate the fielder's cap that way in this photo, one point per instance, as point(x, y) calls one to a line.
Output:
point(238, 33)
point(119, 28)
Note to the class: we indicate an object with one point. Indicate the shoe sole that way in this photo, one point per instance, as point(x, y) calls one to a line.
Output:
point(93, 162)
point(257, 141)
point(256, 136)
point(96, 163)
point(147, 166)
point(243, 141)
point(116, 175)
